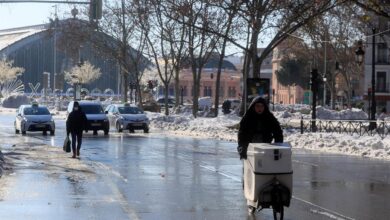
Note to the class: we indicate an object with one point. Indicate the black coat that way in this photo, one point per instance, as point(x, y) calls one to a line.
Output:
point(259, 128)
point(76, 122)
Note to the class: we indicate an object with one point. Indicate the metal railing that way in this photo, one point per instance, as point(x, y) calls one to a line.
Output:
point(351, 127)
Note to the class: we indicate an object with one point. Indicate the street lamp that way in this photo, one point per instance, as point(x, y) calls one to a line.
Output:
point(359, 59)
point(324, 79)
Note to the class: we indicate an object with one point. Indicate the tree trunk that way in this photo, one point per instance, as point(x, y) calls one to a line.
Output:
point(166, 92)
point(177, 87)
point(218, 80)
point(124, 54)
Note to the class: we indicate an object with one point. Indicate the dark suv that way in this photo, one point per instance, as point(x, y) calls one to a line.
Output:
point(97, 119)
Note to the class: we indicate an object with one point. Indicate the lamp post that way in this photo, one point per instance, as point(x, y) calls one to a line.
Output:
point(324, 79)
point(359, 59)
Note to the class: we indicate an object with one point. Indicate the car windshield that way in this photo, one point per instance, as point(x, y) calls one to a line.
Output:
point(92, 109)
point(170, 101)
point(129, 110)
point(36, 111)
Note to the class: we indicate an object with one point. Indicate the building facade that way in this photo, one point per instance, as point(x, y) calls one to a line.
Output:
point(36, 49)
point(230, 82)
point(381, 64)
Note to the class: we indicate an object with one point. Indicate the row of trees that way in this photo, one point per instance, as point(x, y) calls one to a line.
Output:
point(173, 34)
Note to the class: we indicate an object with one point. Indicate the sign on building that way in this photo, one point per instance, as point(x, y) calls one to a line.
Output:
point(258, 87)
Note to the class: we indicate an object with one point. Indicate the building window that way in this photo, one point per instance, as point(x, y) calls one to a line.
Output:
point(207, 91)
point(184, 90)
point(221, 91)
point(382, 53)
point(232, 92)
point(381, 82)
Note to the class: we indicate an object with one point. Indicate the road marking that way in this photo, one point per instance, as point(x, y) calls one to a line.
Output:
point(305, 163)
point(131, 212)
point(220, 172)
point(326, 212)
point(329, 215)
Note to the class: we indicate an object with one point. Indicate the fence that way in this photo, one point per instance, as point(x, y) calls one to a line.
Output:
point(359, 127)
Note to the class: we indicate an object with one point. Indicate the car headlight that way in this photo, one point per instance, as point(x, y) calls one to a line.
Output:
point(25, 119)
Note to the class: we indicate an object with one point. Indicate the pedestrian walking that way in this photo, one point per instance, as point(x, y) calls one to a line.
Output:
point(75, 124)
point(258, 125)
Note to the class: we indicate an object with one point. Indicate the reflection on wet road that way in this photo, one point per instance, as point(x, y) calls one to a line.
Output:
point(160, 176)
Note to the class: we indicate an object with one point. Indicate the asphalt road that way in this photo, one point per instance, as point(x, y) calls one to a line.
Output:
point(161, 176)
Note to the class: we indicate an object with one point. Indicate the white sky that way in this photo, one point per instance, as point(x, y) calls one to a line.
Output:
point(26, 14)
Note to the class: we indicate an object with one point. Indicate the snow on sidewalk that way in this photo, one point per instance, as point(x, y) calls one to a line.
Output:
point(219, 128)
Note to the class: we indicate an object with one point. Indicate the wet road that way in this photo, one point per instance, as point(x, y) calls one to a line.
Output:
point(160, 176)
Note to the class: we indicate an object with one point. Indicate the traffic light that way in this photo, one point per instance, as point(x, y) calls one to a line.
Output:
point(150, 84)
point(95, 9)
point(314, 89)
point(314, 80)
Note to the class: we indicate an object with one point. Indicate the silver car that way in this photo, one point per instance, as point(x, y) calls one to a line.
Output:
point(127, 117)
point(34, 118)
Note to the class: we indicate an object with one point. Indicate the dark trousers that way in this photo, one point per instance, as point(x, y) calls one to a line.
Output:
point(76, 135)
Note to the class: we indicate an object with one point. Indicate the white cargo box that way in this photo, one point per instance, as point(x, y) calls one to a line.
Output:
point(270, 158)
point(266, 162)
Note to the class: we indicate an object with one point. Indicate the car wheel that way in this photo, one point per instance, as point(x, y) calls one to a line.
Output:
point(23, 132)
point(146, 130)
point(44, 132)
point(131, 130)
point(17, 131)
point(94, 132)
point(105, 131)
point(118, 127)
point(52, 132)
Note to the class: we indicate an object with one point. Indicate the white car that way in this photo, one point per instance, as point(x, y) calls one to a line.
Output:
point(127, 117)
point(34, 118)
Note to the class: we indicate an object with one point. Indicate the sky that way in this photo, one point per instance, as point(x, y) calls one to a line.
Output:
point(26, 14)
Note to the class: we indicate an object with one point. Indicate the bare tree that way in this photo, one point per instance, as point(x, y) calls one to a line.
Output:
point(333, 37)
point(7, 71)
point(225, 13)
point(200, 42)
point(160, 33)
point(84, 74)
point(115, 36)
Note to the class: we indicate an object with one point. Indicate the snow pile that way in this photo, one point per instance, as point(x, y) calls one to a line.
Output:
point(220, 127)
point(224, 127)
point(348, 114)
point(365, 146)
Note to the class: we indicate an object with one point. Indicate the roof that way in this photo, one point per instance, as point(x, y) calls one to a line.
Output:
point(13, 35)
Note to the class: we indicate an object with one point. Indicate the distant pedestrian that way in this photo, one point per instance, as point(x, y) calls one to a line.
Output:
point(75, 124)
point(258, 125)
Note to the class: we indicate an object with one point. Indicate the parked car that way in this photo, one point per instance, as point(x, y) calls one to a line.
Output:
point(34, 118)
point(234, 103)
point(161, 102)
point(97, 119)
point(205, 103)
point(127, 117)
